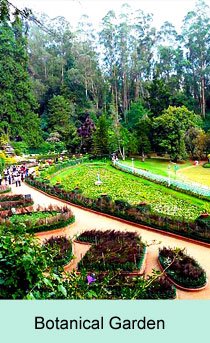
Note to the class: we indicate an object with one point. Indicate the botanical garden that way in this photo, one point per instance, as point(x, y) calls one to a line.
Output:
point(104, 160)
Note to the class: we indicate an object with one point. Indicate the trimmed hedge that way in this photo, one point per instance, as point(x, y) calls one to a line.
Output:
point(9, 201)
point(50, 227)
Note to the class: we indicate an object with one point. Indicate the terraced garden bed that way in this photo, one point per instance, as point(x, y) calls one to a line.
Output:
point(149, 204)
point(14, 201)
point(45, 220)
point(182, 269)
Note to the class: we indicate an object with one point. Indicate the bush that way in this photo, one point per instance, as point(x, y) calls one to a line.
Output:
point(20, 148)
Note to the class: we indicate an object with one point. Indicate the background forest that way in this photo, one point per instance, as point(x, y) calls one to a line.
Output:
point(129, 88)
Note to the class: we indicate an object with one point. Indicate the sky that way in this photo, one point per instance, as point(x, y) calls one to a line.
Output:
point(170, 10)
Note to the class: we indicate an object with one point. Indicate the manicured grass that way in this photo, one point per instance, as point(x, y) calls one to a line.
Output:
point(196, 174)
point(120, 185)
point(158, 166)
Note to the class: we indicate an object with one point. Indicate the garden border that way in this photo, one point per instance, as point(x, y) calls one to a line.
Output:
point(141, 226)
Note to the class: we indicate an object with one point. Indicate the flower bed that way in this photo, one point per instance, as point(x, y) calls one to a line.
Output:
point(182, 269)
point(112, 251)
point(48, 219)
point(60, 249)
point(140, 213)
point(4, 189)
point(14, 201)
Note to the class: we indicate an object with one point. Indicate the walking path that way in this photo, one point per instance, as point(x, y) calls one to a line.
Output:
point(88, 220)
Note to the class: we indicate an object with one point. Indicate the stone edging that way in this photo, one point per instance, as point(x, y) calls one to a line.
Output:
point(179, 286)
point(140, 226)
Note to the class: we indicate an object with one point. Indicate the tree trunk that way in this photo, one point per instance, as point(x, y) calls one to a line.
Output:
point(203, 100)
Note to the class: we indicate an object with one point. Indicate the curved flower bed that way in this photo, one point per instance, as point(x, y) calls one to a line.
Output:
point(182, 269)
point(60, 249)
point(140, 213)
point(112, 251)
point(48, 219)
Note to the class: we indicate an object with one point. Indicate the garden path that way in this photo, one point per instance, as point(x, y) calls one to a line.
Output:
point(88, 220)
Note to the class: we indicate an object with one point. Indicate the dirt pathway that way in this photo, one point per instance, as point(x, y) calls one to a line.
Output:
point(87, 220)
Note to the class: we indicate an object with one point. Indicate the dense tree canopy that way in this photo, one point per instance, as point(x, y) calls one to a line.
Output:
point(57, 83)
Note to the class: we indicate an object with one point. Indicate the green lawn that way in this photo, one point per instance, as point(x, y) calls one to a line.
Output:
point(196, 174)
point(120, 185)
point(158, 166)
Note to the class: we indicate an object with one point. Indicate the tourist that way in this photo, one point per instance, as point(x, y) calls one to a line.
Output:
point(19, 180)
point(10, 179)
point(16, 179)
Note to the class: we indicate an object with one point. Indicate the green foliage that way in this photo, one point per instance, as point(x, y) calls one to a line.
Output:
point(22, 264)
point(196, 142)
point(59, 115)
point(121, 186)
point(170, 129)
point(101, 136)
point(135, 114)
point(181, 268)
point(17, 103)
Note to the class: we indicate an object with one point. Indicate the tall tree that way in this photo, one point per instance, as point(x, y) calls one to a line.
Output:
point(196, 36)
point(170, 130)
point(17, 103)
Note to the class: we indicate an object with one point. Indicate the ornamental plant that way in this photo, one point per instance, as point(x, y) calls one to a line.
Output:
point(184, 270)
point(112, 250)
point(60, 249)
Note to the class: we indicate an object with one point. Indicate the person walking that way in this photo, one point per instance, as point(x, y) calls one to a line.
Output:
point(0, 179)
point(16, 179)
point(19, 180)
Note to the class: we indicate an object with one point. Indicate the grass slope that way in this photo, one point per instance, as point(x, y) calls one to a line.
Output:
point(120, 185)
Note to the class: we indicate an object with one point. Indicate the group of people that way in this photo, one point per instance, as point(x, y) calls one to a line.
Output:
point(14, 175)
